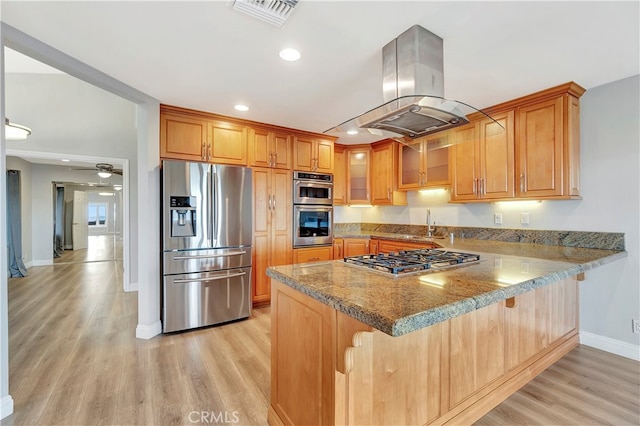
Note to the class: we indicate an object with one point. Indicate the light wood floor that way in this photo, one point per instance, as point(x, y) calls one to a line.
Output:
point(74, 360)
point(99, 248)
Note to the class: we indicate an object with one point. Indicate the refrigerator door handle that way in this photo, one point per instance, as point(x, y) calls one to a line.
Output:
point(214, 208)
point(200, 280)
point(209, 256)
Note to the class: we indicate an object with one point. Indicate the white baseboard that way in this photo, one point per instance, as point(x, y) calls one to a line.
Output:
point(610, 345)
point(28, 264)
point(6, 406)
point(45, 262)
point(131, 287)
point(148, 331)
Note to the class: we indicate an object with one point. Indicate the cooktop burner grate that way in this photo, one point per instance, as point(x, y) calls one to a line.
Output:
point(408, 261)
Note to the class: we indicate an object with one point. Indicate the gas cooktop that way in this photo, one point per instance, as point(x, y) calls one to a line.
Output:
point(412, 261)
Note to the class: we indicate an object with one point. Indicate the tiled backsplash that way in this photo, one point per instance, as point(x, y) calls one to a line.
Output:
point(584, 239)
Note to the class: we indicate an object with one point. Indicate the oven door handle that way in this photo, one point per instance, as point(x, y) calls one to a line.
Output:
point(209, 256)
point(200, 280)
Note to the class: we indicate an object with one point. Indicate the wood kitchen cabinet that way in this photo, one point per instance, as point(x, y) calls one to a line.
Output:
point(313, 154)
point(268, 148)
point(339, 175)
point(421, 166)
point(483, 159)
point(183, 137)
point(452, 372)
point(227, 143)
point(272, 227)
point(312, 254)
point(548, 144)
point(198, 136)
point(384, 171)
point(358, 159)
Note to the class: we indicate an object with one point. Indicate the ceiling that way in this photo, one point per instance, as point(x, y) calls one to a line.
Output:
point(207, 56)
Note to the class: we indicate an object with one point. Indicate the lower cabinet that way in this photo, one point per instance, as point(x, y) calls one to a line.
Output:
point(328, 368)
point(312, 254)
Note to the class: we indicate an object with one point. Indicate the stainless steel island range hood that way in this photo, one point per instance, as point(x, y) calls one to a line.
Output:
point(413, 91)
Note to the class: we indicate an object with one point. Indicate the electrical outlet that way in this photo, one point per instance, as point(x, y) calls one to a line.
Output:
point(524, 218)
point(635, 325)
point(497, 218)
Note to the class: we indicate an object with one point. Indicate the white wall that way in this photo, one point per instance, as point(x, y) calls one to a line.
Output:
point(42, 175)
point(610, 187)
point(25, 201)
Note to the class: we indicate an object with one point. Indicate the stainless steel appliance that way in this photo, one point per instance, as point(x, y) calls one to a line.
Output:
point(207, 233)
point(312, 225)
point(413, 261)
point(312, 188)
point(312, 209)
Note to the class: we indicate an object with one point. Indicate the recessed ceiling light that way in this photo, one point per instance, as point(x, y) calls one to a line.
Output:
point(352, 132)
point(106, 194)
point(241, 107)
point(290, 54)
point(65, 160)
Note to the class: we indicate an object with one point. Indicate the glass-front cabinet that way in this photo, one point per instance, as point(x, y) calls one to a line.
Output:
point(358, 178)
point(425, 163)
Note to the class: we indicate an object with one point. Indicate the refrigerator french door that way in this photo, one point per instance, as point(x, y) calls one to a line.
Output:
point(206, 237)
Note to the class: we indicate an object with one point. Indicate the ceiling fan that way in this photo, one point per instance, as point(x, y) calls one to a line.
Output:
point(104, 170)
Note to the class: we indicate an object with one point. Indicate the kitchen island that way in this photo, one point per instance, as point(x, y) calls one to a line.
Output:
point(354, 346)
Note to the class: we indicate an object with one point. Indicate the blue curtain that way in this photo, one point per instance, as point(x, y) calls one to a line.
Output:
point(14, 226)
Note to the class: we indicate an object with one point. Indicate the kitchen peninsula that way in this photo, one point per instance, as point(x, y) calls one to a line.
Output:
point(357, 346)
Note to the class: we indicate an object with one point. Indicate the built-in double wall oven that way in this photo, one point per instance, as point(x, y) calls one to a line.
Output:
point(312, 209)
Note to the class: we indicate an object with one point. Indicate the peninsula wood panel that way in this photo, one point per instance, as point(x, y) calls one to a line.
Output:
point(476, 352)
point(388, 387)
point(302, 359)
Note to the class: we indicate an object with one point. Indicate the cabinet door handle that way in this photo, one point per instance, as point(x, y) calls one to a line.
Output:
point(482, 187)
point(270, 162)
point(270, 203)
point(313, 259)
point(389, 194)
point(204, 151)
point(209, 152)
point(275, 159)
point(522, 182)
point(274, 202)
point(475, 187)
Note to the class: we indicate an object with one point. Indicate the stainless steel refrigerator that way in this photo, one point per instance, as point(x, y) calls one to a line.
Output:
point(207, 234)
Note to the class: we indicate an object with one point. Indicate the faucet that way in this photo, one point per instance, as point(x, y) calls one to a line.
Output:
point(429, 228)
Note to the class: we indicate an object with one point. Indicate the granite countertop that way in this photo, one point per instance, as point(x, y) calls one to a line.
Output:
point(399, 305)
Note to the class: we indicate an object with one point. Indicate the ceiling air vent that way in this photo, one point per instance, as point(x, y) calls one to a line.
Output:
point(274, 12)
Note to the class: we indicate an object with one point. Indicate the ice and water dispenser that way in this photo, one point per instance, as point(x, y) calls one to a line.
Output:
point(183, 216)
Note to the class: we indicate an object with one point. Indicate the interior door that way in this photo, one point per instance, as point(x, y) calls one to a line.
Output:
point(80, 228)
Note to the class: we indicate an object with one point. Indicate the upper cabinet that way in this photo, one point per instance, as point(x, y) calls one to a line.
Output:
point(483, 159)
point(195, 136)
point(425, 163)
point(339, 175)
point(536, 156)
point(183, 137)
point(548, 145)
point(268, 148)
point(384, 167)
point(313, 154)
point(227, 143)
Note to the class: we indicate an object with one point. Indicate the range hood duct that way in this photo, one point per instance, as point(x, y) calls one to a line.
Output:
point(413, 92)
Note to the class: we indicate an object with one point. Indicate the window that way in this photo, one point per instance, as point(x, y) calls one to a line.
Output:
point(97, 214)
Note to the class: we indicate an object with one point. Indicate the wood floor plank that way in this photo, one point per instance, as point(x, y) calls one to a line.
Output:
point(74, 360)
